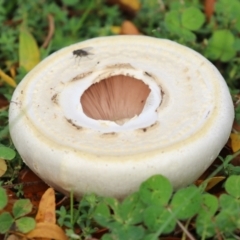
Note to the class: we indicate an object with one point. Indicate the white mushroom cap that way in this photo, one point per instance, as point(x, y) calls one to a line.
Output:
point(157, 108)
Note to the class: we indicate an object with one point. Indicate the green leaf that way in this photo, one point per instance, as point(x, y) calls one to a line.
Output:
point(157, 190)
point(209, 204)
point(173, 24)
point(25, 224)
point(7, 153)
point(172, 20)
point(230, 208)
point(154, 217)
point(108, 236)
point(228, 13)
point(236, 44)
point(229, 203)
point(112, 203)
point(187, 35)
point(29, 54)
point(103, 210)
point(226, 222)
point(123, 231)
point(221, 46)
point(131, 209)
point(6, 221)
point(192, 18)
point(128, 232)
point(205, 225)
point(22, 207)
point(232, 186)
point(102, 214)
point(186, 202)
point(3, 198)
point(132, 232)
point(150, 236)
point(70, 2)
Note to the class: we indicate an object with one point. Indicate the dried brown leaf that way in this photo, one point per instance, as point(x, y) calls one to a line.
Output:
point(33, 186)
point(212, 182)
point(129, 6)
point(47, 230)
point(47, 205)
point(128, 28)
point(235, 142)
point(13, 237)
point(3, 167)
point(209, 8)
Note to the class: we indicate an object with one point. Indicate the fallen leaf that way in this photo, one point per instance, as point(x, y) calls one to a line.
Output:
point(129, 28)
point(51, 29)
point(214, 181)
point(13, 237)
point(13, 71)
point(116, 29)
point(3, 102)
point(46, 210)
point(211, 182)
point(129, 6)
point(209, 8)
point(235, 141)
point(134, 5)
point(47, 230)
point(3, 167)
point(33, 186)
point(10, 81)
point(236, 126)
point(29, 54)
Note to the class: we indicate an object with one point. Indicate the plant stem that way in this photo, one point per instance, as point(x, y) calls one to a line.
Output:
point(71, 207)
point(190, 236)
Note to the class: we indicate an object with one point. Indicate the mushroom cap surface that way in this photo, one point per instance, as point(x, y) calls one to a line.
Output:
point(185, 122)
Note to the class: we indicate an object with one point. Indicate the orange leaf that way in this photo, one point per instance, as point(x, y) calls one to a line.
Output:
point(209, 8)
point(235, 141)
point(214, 181)
point(130, 7)
point(211, 182)
point(47, 230)
point(46, 210)
point(129, 28)
point(3, 167)
point(133, 5)
point(13, 237)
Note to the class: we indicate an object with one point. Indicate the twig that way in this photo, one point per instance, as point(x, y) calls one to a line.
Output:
point(21, 183)
point(186, 226)
point(162, 5)
point(190, 236)
point(51, 28)
point(219, 237)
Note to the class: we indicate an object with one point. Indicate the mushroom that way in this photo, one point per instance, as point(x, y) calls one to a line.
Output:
point(131, 107)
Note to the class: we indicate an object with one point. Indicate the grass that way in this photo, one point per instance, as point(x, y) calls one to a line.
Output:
point(30, 31)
